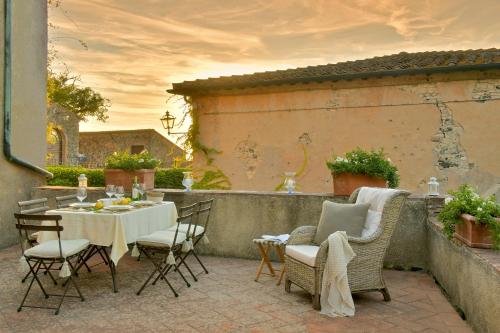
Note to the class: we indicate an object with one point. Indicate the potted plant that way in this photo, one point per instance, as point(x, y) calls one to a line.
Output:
point(362, 168)
point(121, 168)
point(471, 219)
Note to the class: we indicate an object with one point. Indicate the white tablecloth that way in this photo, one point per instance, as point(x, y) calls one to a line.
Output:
point(117, 229)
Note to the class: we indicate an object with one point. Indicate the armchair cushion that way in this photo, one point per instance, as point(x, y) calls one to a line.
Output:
point(303, 253)
point(341, 217)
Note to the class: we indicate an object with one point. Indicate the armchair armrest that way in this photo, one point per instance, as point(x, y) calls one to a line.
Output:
point(302, 235)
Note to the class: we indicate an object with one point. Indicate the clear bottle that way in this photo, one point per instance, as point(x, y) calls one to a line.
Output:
point(82, 180)
point(136, 194)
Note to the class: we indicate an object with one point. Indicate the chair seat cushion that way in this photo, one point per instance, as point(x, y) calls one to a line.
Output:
point(163, 238)
point(341, 217)
point(303, 253)
point(184, 228)
point(50, 249)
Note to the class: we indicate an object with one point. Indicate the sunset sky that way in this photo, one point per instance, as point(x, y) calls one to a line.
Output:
point(137, 49)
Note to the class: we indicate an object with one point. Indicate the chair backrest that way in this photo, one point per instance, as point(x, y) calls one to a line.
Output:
point(34, 206)
point(65, 200)
point(186, 218)
point(189, 210)
point(22, 226)
point(203, 214)
point(391, 214)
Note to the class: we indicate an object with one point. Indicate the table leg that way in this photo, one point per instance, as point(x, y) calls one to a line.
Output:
point(281, 255)
point(264, 250)
point(112, 269)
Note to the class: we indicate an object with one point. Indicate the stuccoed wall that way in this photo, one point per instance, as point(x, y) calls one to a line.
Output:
point(439, 125)
point(28, 108)
point(240, 216)
point(469, 277)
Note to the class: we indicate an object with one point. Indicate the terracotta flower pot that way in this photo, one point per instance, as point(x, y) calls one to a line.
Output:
point(472, 233)
point(125, 178)
point(346, 183)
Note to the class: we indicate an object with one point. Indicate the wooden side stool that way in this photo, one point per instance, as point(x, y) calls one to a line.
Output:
point(265, 246)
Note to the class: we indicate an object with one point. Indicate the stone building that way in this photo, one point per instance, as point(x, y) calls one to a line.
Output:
point(62, 148)
point(22, 112)
point(97, 146)
point(434, 113)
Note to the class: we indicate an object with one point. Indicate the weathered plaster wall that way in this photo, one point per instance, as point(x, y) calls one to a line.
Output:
point(28, 108)
point(441, 125)
point(69, 126)
point(97, 146)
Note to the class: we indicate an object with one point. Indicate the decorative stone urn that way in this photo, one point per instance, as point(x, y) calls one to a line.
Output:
point(474, 234)
point(125, 178)
point(346, 183)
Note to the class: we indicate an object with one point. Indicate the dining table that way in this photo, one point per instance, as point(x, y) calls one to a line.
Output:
point(109, 229)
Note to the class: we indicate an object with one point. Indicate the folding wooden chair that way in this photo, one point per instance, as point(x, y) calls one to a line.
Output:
point(198, 232)
point(35, 206)
point(53, 251)
point(65, 200)
point(163, 248)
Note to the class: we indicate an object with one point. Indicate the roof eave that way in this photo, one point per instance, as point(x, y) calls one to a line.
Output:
point(177, 88)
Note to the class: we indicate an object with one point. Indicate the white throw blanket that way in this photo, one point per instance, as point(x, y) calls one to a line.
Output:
point(377, 198)
point(336, 298)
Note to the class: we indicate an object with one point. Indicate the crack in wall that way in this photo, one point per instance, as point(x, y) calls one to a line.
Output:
point(448, 149)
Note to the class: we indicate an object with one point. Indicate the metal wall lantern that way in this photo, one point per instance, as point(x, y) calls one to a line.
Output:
point(168, 122)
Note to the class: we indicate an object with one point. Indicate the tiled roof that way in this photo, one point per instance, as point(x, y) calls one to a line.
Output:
point(396, 64)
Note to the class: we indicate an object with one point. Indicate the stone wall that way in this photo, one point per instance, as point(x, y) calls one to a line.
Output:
point(470, 278)
point(441, 125)
point(29, 62)
point(240, 216)
point(68, 125)
point(97, 146)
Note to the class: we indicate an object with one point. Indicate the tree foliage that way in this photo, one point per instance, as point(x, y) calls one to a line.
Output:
point(84, 102)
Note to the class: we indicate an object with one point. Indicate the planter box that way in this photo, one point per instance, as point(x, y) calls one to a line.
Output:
point(473, 234)
point(346, 183)
point(125, 178)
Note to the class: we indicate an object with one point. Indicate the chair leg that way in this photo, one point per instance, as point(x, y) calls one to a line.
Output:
point(62, 298)
point(385, 293)
point(316, 302)
point(197, 258)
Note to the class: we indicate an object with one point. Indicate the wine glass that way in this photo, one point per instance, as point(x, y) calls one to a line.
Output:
point(110, 190)
point(81, 194)
point(142, 189)
point(120, 192)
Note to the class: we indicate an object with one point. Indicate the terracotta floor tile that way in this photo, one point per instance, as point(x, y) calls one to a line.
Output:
point(225, 300)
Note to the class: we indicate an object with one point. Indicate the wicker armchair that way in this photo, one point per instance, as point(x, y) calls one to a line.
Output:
point(364, 271)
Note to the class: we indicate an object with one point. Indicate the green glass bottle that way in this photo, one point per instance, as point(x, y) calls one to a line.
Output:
point(136, 194)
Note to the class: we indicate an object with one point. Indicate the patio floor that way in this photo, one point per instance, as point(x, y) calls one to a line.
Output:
point(225, 300)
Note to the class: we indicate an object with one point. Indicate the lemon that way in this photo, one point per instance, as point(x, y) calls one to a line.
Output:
point(99, 205)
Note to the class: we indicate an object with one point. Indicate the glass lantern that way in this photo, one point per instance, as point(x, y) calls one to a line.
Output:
point(289, 182)
point(188, 181)
point(433, 186)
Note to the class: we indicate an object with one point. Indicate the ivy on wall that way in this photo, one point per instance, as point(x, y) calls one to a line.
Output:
point(210, 177)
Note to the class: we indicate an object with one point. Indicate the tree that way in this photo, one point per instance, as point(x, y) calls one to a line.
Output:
point(84, 102)
point(62, 88)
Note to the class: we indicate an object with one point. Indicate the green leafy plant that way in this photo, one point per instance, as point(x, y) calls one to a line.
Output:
point(169, 178)
point(372, 163)
point(213, 180)
point(68, 176)
point(466, 201)
point(126, 161)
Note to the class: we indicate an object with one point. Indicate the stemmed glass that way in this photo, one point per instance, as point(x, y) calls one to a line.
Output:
point(142, 189)
point(81, 194)
point(120, 192)
point(110, 190)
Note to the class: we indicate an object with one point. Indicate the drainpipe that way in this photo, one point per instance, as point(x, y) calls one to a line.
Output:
point(7, 98)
